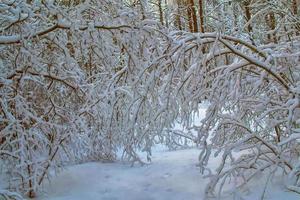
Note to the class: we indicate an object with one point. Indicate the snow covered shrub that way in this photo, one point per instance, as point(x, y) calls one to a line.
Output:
point(251, 81)
point(253, 117)
point(80, 82)
point(64, 85)
point(38, 91)
point(6, 195)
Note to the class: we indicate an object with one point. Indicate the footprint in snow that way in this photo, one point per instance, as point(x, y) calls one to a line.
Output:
point(146, 186)
point(166, 175)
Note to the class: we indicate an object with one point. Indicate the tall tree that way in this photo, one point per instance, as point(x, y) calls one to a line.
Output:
point(178, 14)
point(191, 11)
point(295, 7)
point(161, 12)
point(201, 16)
point(247, 9)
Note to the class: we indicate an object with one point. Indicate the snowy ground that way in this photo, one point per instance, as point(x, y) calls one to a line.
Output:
point(171, 175)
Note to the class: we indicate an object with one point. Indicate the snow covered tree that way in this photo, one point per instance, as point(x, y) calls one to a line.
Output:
point(63, 84)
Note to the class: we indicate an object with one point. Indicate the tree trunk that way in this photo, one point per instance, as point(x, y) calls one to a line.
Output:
point(295, 13)
point(189, 14)
point(294, 7)
point(201, 16)
point(178, 19)
point(192, 16)
point(271, 21)
point(166, 14)
point(248, 18)
point(161, 15)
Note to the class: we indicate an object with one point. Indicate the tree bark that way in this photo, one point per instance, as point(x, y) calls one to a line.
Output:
point(295, 7)
point(271, 21)
point(248, 15)
point(248, 18)
point(161, 15)
point(295, 4)
point(189, 14)
point(192, 16)
point(178, 14)
point(201, 16)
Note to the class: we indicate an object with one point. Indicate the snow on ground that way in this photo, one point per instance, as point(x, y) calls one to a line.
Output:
point(171, 175)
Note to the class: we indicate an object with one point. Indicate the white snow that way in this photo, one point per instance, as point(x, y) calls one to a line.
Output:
point(171, 175)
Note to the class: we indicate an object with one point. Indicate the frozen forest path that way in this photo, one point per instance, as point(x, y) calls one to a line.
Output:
point(171, 175)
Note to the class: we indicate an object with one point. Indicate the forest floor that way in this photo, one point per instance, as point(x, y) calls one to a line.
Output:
point(171, 175)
